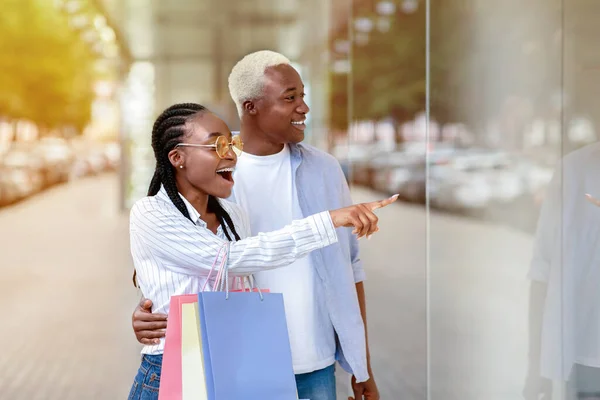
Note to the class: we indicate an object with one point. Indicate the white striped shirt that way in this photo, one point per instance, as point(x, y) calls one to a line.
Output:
point(173, 255)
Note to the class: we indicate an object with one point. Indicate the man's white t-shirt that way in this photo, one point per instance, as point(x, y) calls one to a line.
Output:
point(263, 188)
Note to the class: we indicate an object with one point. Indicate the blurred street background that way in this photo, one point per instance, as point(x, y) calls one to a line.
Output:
point(463, 107)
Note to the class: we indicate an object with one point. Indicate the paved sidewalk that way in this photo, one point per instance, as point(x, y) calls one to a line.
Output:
point(64, 280)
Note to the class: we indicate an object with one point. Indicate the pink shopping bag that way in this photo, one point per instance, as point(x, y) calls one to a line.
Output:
point(170, 378)
point(171, 387)
point(240, 286)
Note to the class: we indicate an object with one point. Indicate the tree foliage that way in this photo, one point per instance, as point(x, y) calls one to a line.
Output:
point(388, 70)
point(47, 69)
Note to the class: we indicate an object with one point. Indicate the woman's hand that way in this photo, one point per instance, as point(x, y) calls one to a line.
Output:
point(360, 216)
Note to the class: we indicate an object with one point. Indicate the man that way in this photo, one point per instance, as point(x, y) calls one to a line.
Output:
point(279, 180)
point(564, 307)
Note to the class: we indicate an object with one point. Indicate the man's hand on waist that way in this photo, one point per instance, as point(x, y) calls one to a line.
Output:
point(148, 327)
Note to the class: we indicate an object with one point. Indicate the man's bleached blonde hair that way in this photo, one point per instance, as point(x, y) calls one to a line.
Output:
point(246, 79)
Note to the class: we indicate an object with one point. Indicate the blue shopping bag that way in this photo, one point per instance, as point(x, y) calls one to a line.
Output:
point(245, 344)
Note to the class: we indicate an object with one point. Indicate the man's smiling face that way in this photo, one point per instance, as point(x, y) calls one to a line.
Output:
point(281, 109)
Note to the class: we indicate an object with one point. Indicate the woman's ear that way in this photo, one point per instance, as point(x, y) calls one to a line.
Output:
point(177, 158)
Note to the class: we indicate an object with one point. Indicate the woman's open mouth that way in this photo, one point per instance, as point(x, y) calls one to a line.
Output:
point(226, 173)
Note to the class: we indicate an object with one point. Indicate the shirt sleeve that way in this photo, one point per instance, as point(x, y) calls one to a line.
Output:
point(357, 265)
point(187, 248)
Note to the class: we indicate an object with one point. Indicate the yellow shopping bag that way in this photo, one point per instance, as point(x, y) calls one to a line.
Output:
point(193, 383)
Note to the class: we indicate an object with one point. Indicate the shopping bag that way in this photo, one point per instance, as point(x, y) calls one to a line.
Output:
point(174, 355)
point(192, 365)
point(239, 285)
point(170, 378)
point(261, 366)
point(254, 324)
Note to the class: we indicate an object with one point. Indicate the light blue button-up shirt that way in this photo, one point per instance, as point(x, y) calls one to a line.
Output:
point(321, 186)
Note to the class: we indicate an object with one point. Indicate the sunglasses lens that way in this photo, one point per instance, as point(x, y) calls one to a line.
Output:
point(222, 146)
point(238, 146)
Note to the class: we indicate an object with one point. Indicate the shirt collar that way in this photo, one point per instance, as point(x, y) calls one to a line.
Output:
point(194, 214)
point(296, 156)
point(295, 149)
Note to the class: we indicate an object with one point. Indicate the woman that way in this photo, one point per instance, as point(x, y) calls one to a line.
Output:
point(178, 231)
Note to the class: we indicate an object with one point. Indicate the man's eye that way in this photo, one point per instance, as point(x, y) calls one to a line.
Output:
point(290, 98)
